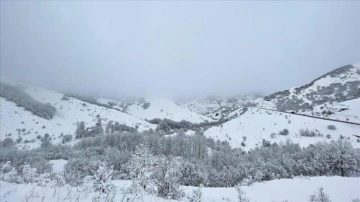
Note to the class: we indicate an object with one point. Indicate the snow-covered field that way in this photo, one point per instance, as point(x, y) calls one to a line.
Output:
point(339, 189)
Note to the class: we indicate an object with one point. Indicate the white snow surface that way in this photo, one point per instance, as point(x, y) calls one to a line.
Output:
point(339, 189)
point(257, 124)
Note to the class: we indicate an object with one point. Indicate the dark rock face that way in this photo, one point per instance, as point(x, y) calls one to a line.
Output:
point(304, 99)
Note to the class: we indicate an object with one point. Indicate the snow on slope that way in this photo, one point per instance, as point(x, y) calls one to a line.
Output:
point(339, 189)
point(339, 85)
point(257, 124)
point(19, 122)
point(164, 108)
point(345, 111)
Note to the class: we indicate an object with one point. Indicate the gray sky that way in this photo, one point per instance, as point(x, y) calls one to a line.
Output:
point(174, 49)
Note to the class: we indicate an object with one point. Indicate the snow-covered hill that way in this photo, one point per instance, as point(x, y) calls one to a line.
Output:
point(336, 96)
point(218, 107)
point(248, 130)
point(17, 122)
point(152, 108)
point(339, 85)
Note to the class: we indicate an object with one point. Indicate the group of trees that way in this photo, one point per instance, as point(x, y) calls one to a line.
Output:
point(161, 163)
point(215, 163)
point(112, 127)
point(22, 99)
point(170, 126)
point(155, 174)
point(84, 132)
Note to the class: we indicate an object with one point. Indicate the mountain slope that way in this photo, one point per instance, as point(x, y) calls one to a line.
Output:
point(258, 124)
point(21, 123)
point(333, 96)
point(339, 85)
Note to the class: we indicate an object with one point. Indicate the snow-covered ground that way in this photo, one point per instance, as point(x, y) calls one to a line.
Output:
point(339, 189)
point(258, 124)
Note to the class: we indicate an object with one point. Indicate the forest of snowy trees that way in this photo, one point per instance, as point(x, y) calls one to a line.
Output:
point(159, 163)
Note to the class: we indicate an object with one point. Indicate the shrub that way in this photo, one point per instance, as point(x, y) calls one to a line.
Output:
point(65, 98)
point(7, 142)
point(284, 132)
point(321, 196)
point(146, 105)
point(327, 112)
point(66, 138)
point(308, 133)
point(331, 127)
point(19, 140)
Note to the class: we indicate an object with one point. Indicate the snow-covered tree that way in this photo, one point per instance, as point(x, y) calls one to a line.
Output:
point(241, 194)
point(167, 177)
point(29, 174)
point(142, 168)
point(80, 130)
point(321, 196)
point(196, 195)
point(9, 174)
point(103, 184)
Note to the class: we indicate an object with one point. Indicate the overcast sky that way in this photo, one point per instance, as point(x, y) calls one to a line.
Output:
point(176, 48)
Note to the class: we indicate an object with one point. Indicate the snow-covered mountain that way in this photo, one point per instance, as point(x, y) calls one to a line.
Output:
point(317, 107)
point(337, 86)
point(245, 120)
point(248, 130)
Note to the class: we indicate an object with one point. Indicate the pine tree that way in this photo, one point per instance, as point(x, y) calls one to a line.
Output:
point(80, 130)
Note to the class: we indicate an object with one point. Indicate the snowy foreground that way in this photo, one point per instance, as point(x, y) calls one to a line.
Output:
point(339, 189)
